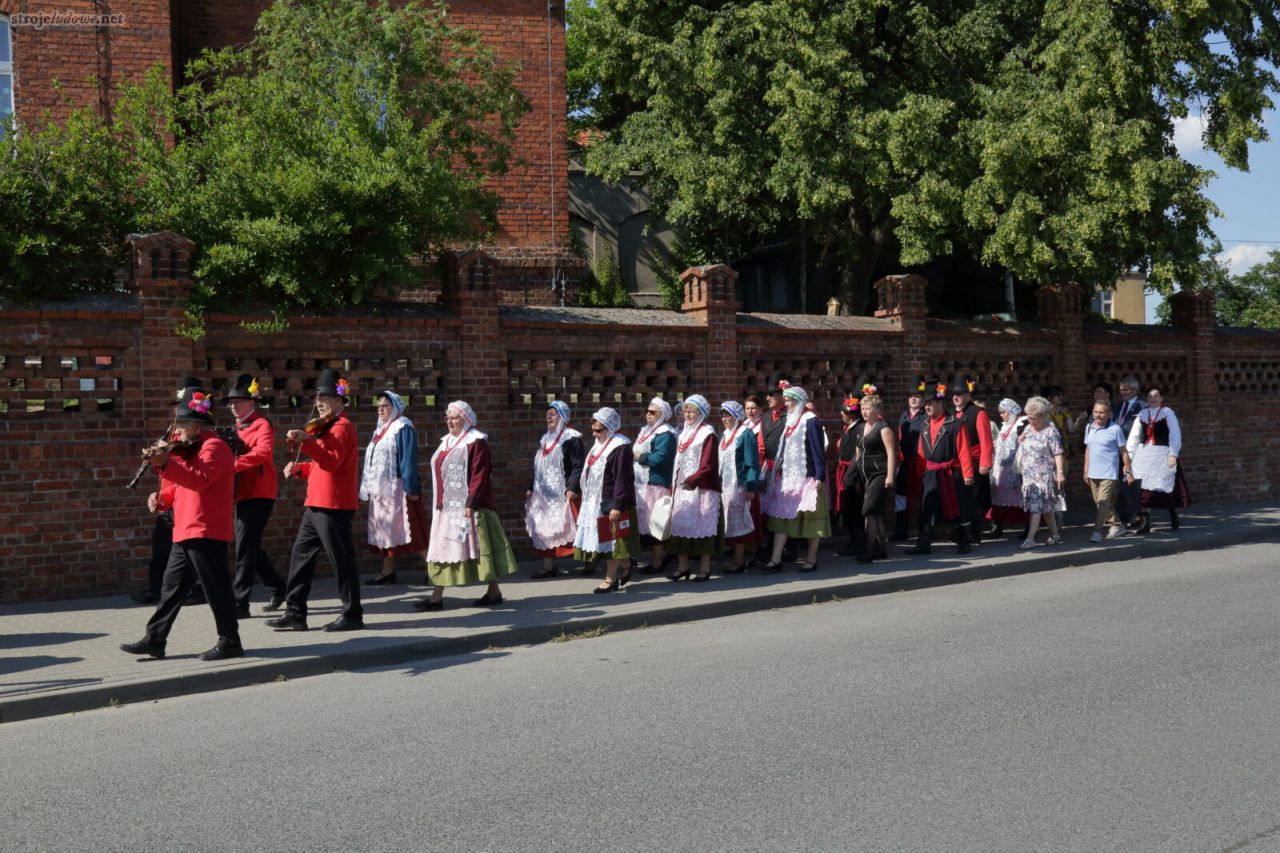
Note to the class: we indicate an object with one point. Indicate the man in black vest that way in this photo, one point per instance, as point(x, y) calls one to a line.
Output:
point(1129, 495)
point(948, 467)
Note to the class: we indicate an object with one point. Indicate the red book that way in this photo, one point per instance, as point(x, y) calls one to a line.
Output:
point(607, 531)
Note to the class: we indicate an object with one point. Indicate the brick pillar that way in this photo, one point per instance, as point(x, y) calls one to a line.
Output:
point(1061, 308)
point(1193, 314)
point(160, 273)
point(710, 296)
point(901, 300)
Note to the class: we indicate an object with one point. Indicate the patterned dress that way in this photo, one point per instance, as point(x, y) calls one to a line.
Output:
point(1039, 474)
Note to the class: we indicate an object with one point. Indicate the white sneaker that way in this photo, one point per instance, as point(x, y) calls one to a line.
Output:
point(1115, 532)
point(1096, 537)
point(1027, 545)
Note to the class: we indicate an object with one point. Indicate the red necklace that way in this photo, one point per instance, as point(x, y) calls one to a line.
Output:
point(682, 448)
point(546, 449)
point(728, 442)
point(380, 433)
point(448, 447)
point(1151, 424)
point(591, 460)
point(792, 428)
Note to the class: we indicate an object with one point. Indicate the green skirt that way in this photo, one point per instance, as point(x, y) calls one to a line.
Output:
point(496, 557)
point(806, 525)
point(626, 548)
point(706, 546)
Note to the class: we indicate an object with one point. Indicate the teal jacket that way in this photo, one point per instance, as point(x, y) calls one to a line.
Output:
point(660, 459)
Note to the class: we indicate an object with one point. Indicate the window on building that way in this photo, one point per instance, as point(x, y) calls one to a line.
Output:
point(6, 70)
point(1104, 303)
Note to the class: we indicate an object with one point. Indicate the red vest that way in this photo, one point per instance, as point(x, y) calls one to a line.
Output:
point(333, 477)
point(256, 465)
point(204, 492)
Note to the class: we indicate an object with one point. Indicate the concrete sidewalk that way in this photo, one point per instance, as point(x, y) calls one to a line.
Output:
point(61, 657)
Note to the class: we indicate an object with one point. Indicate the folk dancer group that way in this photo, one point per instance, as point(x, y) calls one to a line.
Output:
point(684, 493)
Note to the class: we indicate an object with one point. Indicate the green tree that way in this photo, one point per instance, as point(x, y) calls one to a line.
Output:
point(1033, 134)
point(65, 208)
point(319, 164)
point(1249, 299)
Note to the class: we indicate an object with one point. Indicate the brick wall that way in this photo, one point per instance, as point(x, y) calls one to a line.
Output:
point(84, 387)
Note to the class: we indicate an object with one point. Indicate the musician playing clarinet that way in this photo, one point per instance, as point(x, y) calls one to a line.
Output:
point(332, 475)
point(201, 468)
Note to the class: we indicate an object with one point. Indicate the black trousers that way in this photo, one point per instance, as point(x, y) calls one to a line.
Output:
point(161, 544)
point(851, 497)
point(330, 530)
point(967, 497)
point(931, 511)
point(205, 559)
point(252, 516)
point(1128, 499)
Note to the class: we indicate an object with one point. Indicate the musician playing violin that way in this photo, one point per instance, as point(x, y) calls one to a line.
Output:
point(202, 470)
point(332, 475)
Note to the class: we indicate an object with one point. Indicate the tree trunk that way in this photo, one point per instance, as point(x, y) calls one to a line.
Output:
point(865, 243)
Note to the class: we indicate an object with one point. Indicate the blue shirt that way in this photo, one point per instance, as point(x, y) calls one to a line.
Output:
point(1104, 450)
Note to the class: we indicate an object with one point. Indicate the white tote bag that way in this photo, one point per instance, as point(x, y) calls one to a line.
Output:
point(660, 518)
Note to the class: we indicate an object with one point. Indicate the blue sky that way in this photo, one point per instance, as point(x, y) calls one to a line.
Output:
point(1248, 227)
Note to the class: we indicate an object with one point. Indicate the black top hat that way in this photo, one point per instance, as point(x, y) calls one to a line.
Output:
point(194, 405)
point(777, 382)
point(964, 384)
point(919, 389)
point(936, 389)
point(183, 384)
point(244, 387)
point(331, 383)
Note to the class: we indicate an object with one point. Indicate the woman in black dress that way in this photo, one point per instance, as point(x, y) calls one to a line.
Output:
point(876, 463)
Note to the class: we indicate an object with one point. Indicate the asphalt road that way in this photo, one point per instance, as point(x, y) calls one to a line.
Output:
point(1123, 707)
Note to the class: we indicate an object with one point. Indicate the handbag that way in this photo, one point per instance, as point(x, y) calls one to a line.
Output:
point(660, 518)
point(607, 531)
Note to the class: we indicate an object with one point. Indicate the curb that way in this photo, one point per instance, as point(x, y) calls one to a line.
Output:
point(98, 696)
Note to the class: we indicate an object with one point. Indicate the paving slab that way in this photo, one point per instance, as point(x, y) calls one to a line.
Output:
point(62, 657)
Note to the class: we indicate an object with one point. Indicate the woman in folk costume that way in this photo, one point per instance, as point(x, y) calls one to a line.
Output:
point(655, 455)
point(468, 544)
point(695, 489)
point(553, 501)
point(1006, 479)
point(739, 481)
point(847, 486)
point(608, 502)
point(1155, 443)
point(754, 405)
point(796, 502)
point(396, 520)
point(877, 467)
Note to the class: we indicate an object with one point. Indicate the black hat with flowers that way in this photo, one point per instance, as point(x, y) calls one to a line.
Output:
point(332, 384)
point(183, 384)
point(919, 389)
point(964, 384)
point(245, 387)
point(194, 405)
point(936, 389)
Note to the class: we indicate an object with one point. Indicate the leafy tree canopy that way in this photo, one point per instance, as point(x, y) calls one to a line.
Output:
point(1249, 299)
point(1034, 134)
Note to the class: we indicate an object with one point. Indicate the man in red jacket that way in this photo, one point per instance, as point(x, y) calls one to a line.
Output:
point(255, 494)
point(332, 476)
point(975, 499)
point(202, 472)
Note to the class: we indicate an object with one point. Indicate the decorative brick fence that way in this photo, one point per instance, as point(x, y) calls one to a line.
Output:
point(83, 387)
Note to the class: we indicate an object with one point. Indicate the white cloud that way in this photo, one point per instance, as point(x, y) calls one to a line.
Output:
point(1188, 135)
point(1242, 256)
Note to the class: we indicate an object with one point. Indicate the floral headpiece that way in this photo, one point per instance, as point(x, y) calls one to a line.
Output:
point(970, 385)
point(253, 388)
point(921, 387)
point(869, 389)
point(200, 402)
point(341, 387)
point(940, 391)
point(851, 402)
point(783, 384)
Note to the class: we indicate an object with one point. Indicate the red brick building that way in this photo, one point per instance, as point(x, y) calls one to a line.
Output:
point(68, 53)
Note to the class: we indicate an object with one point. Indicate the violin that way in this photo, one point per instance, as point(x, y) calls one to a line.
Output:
point(319, 426)
point(181, 448)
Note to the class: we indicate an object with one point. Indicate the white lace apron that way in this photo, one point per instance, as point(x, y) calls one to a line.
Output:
point(588, 537)
point(1150, 462)
point(646, 495)
point(453, 535)
point(547, 515)
point(381, 486)
point(695, 513)
point(792, 491)
point(735, 498)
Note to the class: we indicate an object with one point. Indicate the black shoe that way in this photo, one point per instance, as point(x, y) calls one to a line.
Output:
point(678, 575)
point(964, 547)
point(242, 611)
point(922, 547)
point(771, 568)
point(380, 580)
point(1174, 522)
point(223, 651)
point(277, 601)
point(625, 578)
point(491, 601)
point(850, 550)
point(865, 558)
point(144, 647)
point(288, 622)
point(647, 569)
point(342, 623)
point(701, 578)
point(1144, 527)
point(542, 574)
point(607, 586)
point(882, 553)
point(147, 597)
point(588, 569)
point(806, 566)
point(424, 604)
point(736, 569)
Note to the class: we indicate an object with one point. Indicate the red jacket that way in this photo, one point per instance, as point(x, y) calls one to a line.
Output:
point(256, 466)
point(333, 478)
point(204, 493)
